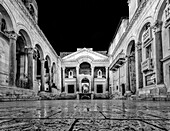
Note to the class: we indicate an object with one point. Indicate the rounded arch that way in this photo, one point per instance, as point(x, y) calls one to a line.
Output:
point(85, 68)
point(6, 14)
point(54, 75)
point(160, 10)
point(147, 20)
point(82, 59)
point(39, 51)
point(130, 47)
point(47, 58)
point(85, 85)
point(131, 68)
point(24, 35)
point(85, 80)
point(85, 65)
point(23, 29)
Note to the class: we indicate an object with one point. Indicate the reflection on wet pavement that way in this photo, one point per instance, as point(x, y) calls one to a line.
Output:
point(85, 115)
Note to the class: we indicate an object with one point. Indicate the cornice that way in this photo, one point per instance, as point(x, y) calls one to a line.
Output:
point(27, 14)
point(131, 23)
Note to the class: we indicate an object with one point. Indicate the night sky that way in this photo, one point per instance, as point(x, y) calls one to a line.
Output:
point(73, 24)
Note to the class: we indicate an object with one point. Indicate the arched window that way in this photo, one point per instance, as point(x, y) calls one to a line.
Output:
point(99, 74)
point(85, 68)
point(70, 74)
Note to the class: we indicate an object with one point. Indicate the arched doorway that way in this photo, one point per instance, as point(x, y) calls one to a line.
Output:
point(39, 70)
point(85, 85)
point(54, 76)
point(47, 66)
point(23, 45)
point(131, 68)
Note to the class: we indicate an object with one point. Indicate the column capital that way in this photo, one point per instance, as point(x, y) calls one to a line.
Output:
point(30, 50)
point(92, 67)
point(157, 26)
point(139, 45)
point(35, 53)
point(12, 35)
point(42, 60)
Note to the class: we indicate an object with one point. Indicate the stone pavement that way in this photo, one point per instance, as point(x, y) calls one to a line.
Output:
point(85, 115)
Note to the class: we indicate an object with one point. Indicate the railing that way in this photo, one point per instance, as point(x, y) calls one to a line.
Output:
point(147, 35)
point(147, 65)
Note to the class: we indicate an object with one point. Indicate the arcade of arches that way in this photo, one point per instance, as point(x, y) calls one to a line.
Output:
point(136, 63)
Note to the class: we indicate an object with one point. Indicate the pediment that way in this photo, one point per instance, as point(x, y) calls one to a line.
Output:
point(84, 54)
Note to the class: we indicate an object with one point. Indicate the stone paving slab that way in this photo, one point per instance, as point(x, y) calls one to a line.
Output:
point(84, 116)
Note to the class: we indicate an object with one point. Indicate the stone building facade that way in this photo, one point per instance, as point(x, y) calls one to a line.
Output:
point(85, 73)
point(139, 53)
point(28, 63)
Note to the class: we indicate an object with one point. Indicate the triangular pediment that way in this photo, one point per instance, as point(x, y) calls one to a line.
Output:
point(85, 53)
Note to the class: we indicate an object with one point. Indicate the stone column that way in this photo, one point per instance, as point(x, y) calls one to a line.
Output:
point(107, 84)
point(158, 52)
point(35, 57)
point(30, 68)
point(64, 90)
point(127, 75)
point(77, 79)
point(139, 74)
point(42, 74)
point(12, 58)
point(92, 79)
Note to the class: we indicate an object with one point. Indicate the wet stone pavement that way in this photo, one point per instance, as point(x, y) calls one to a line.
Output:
point(85, 115)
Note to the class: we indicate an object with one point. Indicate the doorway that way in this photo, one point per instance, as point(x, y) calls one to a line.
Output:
point(85, 85)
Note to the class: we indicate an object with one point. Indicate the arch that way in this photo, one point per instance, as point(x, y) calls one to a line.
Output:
point(85, 65)
point(85, 68)
point(47, 67)
point(48, 61)
point(85, 85)
point(85, 80)
point(82, 59)
point(23, 60)
point(39, 51)
point(39, 66)
point(147, 20)
point(99, 74)
point(54, 75)
point(23, 29)
point(25, 35)
point(131, 68)
point(5, 15)
point(160, 10)
point(131, 46)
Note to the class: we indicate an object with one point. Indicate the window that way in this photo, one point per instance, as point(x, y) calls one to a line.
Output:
point(99, 88)
point(117, 87)
point(99, 74)
point(149, 51)
point(70, 88)
point(70, 74)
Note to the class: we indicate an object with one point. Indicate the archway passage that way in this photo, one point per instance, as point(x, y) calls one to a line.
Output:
point(131, 67)
point(47, 66)
point(85, 85)
point(39, 70)
point(23, 61)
